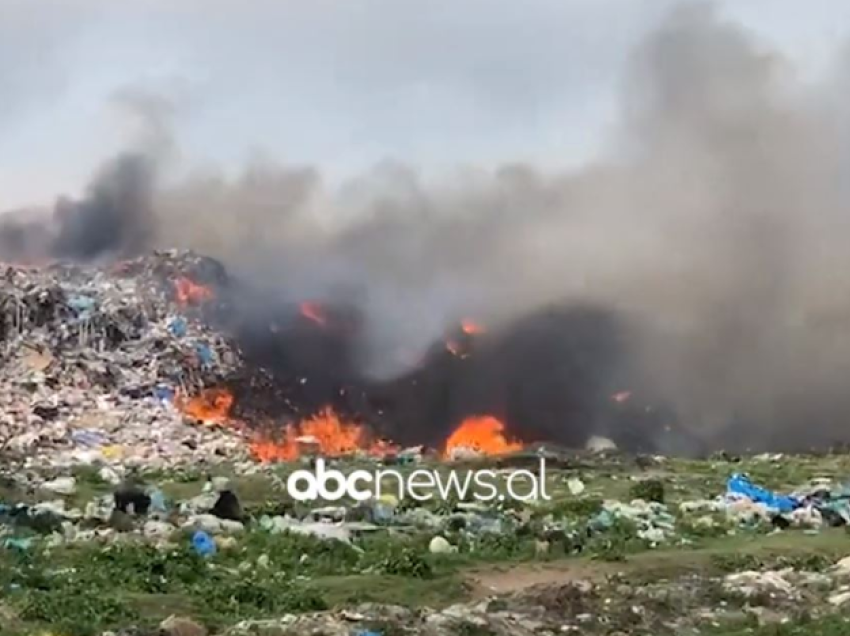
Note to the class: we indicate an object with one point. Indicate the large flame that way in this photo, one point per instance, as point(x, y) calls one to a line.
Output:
point(211, 405)
point(481, 433)
point(191, 293)
point(325, 434)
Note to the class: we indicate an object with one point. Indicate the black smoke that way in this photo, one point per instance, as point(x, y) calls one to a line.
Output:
point(114, 219)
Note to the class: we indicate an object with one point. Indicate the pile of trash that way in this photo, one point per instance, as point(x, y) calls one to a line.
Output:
point(817, 505)
point(92, 361)
point(652, 520)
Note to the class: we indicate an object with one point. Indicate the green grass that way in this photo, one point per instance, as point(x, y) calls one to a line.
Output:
point(83, 590)
point(827, 626)
point(437, 591)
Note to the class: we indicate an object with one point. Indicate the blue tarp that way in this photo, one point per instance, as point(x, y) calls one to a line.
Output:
point(739, 484)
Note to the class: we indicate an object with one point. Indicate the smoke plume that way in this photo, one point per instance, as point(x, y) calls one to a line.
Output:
point(714, 230)
point(115, 218)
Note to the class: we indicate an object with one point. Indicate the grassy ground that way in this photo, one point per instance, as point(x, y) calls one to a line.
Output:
point(85, 589)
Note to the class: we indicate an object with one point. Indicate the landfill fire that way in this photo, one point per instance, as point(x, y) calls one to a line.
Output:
point(325, 434)
point(484, 434)
point(288, 376)
point(210, 405)
point(190, 293)
point(695, 260)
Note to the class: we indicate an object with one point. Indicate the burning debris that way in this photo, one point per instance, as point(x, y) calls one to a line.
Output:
point(171, 338)
point(190, 293)
point(480, 434)
point(210, 405)
point(323, 434)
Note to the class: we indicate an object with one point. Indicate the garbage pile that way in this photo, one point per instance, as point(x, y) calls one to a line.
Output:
point(93, 359)
point(820, 504)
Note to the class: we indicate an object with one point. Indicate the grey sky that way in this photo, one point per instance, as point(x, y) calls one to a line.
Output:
point(340, 84)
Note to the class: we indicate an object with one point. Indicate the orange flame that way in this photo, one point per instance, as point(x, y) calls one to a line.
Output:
point(482, 433)
point(190, 293)
point(326, 434)
point(313, 311)
point(471, 328)
point(212, 405)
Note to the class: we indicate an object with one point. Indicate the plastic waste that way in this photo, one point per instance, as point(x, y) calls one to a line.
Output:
point(205, 354)
point(602, 521)
point(739, 484)
point(203, 544)
point(82, 305)
point(109, 475)
point(439, 545)
point(114, 451)
point(178, 327)
point(383, 509)
point(86, 437)
point(164, 394)
point(158, 501)
point(575, 486)
point(61, 486)
point(22, 544)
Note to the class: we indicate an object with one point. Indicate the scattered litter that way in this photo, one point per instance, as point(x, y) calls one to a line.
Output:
point(61, 486)
point(440, 545)
point(598, 444)
point(576, 486)
point(203, 544)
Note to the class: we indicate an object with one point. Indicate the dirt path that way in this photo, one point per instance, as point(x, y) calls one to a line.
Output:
point(490, 580)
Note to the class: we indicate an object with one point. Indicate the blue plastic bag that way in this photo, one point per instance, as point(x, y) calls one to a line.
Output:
point(178, 327)
point(739, 484)
point(205, 354)
point(203, 544)
point(164, 394)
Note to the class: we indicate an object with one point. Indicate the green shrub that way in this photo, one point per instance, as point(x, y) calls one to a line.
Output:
point(648, 490)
